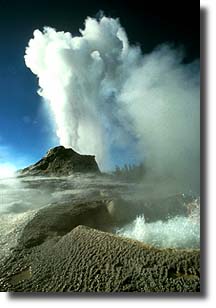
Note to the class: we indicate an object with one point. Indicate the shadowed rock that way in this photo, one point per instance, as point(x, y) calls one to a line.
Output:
point(88, 260)
point(101, 214)
point(61, 161)
point(59, 219)
point(125, 211)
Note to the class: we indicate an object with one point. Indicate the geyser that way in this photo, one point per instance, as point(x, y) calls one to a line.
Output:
point(107, 97)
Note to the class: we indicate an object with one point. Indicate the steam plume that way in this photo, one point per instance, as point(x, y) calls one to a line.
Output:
point(105, 96)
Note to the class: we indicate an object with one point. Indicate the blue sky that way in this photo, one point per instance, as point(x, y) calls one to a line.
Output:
point(26, 130)
point(23, 121)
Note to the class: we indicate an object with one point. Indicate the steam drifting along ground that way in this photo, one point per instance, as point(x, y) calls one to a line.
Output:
point(22, 199)
point(106, 97)
point(38, 222)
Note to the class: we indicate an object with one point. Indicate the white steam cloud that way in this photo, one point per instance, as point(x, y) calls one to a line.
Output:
point(105, 96)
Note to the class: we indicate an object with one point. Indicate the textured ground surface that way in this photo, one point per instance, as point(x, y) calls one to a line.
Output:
point(87, 260)
point(54, 253)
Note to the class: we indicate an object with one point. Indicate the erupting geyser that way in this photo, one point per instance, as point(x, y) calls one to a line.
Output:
point(106, 96)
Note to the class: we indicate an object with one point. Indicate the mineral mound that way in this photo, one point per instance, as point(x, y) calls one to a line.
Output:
point(61, 161)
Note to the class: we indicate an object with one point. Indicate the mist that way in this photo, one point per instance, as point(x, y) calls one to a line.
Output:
point(106, 97)
point(6, 170)
point(165, 221)
point(21, 199)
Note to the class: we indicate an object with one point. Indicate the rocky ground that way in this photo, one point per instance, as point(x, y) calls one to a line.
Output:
point(60, 250)
point(88, 260)
point(66, 240)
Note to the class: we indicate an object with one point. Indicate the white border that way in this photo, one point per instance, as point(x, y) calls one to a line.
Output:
point(210, 7)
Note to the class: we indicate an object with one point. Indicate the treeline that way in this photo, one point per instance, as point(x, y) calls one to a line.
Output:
point(130, 172)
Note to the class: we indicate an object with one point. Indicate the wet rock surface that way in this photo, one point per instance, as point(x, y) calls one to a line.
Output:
point(105, 214)
point(54, 253)
point(125, 210)
point(88, 260)
point(57, 220)
point(61, 161)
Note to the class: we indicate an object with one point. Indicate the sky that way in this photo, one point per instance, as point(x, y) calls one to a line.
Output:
point(26, 129)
